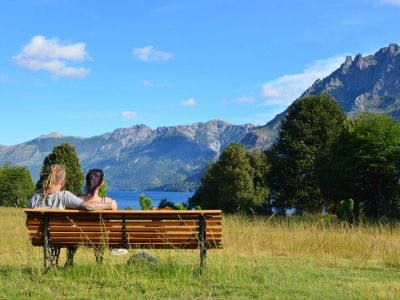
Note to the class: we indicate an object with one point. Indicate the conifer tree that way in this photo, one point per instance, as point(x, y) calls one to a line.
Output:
point(65, 155)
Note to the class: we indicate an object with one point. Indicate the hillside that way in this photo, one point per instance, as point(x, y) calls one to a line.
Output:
point(138, 157)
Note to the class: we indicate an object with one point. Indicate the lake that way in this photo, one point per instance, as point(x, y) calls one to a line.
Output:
point(131, 198)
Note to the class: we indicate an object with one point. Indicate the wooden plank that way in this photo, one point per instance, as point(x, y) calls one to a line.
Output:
point(136, 235)
point(150, 238)
point(134, 245)
point(141, 235)
point(128, 223)
point(127, 229)
point(133, 221)
point(148, 228)
point(127, 212)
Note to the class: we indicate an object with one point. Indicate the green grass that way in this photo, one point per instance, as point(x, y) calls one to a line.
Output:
point(277, 258)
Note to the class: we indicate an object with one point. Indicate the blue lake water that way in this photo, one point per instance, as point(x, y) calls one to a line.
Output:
point(131, 198)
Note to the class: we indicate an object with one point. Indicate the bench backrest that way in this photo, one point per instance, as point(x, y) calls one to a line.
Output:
point(127, 228)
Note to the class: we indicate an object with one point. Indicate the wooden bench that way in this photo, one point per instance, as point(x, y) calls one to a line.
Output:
point(184, 229)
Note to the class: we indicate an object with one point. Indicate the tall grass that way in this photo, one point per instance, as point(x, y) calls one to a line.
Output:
point(263, 257)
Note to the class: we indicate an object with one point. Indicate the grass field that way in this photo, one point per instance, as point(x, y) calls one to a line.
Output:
point(266, 258)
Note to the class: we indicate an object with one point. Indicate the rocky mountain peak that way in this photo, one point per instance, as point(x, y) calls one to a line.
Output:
point(393, 50)
point(367, 83)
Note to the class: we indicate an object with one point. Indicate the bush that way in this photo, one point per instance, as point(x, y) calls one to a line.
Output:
point(165, 203)
point(103, 190)
point(181, 206)
point(145, 202)
point(345, 211)
point(16, 185)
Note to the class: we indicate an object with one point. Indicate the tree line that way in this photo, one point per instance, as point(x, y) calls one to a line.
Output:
point(321, 160)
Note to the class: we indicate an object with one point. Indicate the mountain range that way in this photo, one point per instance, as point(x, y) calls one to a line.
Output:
point(139, 158)
point(173, 158)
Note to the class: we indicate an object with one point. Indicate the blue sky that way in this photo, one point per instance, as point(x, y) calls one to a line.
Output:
point(88, 67)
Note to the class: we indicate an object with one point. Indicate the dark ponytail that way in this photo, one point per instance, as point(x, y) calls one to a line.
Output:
point(94, 179)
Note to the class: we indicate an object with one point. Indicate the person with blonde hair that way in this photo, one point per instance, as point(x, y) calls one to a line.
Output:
point(52, 195)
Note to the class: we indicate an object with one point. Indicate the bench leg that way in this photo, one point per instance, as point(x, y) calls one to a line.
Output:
point(203, 256)
point(50, 253)
point(70, 255)
point(51, 256)
point(99, 252)
point(202, 240)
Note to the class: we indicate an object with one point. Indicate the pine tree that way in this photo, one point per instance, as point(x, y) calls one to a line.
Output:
point(65, 155)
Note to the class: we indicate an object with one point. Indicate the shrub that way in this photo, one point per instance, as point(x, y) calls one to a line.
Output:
point(181, 206)
point(103, 190)
point(16, 185)
point(345, 211)
point(145, 202)
point(164, 203)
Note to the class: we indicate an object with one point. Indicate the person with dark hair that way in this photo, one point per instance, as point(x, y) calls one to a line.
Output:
point(94, 181)
point(52, 194)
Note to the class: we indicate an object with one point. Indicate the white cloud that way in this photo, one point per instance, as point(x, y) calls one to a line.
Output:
point(390, 2)
point(127, 114)
point(148, 53)
point(188, 102)
point(245, 100)
point(285, 89)
point(53, 56)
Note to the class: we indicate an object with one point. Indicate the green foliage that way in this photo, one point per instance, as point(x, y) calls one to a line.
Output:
point(312, 124)
point(197, 207)
point(345, 210)
point(234, 183)
point(144, 202)
point(128, 207)
point(103, 189)
point(65, 155)
point(165, 203)
point(16, 185)
point(364, 164)
point(181, 206)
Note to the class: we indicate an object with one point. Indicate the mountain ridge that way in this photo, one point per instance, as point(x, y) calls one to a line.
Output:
point(138, 157)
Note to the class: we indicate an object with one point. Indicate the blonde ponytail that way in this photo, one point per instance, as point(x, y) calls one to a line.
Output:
point(56, 176)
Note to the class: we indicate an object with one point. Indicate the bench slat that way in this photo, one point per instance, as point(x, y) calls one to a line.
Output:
point(128, 224)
